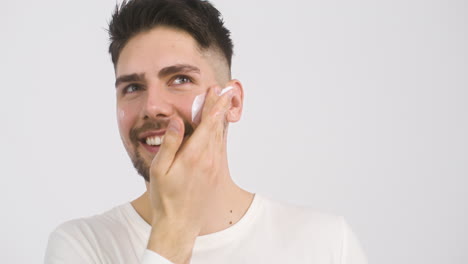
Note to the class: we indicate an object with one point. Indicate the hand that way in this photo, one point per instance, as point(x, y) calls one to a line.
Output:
point(184, 179)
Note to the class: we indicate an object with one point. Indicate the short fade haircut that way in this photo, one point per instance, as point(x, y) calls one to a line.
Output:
point(198, 18)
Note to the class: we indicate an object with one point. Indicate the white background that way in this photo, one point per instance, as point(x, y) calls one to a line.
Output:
point(357, 108)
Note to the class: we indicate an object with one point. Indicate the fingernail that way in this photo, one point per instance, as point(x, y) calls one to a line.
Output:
point(173, 126)
point(218, 91)
point(225, 90)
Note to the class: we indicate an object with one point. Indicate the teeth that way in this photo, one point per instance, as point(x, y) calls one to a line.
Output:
point(154, 141)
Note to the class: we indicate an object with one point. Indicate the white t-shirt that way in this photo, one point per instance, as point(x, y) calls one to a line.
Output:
point(269, 232)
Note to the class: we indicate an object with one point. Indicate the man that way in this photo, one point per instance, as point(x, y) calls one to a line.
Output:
point(165, 54)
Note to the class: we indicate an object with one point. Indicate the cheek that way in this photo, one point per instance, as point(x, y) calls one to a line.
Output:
point(120, 115)
point(125, 120)
point(187, 106)
point(184, 106)
point(121, 119)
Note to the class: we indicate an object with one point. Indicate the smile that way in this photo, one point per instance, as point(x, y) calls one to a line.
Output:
point(154, 140)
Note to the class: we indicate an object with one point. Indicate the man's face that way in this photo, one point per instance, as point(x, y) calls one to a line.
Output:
point(158, 75)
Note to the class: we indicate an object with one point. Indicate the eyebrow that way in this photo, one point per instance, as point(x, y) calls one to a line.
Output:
point(177, 68)
point(135, 77)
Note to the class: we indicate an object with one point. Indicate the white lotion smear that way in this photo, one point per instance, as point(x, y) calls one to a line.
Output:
point(200, 100)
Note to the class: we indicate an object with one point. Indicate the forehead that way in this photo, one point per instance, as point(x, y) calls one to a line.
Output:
point(158, 48)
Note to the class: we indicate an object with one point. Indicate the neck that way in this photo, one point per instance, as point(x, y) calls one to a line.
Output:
point(230, 204)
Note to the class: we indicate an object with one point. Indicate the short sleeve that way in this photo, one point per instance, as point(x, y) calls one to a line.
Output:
point(151, 257)
point(351, 251)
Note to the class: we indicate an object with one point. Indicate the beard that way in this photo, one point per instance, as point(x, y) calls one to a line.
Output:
point(139, 163)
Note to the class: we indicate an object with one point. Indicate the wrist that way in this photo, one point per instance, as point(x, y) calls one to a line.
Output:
point(171, 240)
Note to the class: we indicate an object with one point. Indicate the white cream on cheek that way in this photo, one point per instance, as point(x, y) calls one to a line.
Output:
point(200, 100)
point(122, 126)
point(121, 114)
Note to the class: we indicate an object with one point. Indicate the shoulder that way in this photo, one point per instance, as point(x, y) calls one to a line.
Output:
point(82, 239)
point(110, 221)
point(318, 231)
point(301, 217)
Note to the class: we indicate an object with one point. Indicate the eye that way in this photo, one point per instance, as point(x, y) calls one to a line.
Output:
point(181, 79)
point(130, 88)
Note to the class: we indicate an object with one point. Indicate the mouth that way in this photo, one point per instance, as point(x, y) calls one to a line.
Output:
point(151, 141)
point(153, 144)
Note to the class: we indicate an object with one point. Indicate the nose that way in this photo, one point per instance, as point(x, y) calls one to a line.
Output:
point(157, 105)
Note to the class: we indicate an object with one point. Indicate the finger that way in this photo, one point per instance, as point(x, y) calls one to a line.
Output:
point(213, 118)
point(212, 95)
point(217, 103)
point(169, 147)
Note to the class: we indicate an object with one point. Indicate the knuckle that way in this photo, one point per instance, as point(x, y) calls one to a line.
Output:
point(155, 171)
point(190, 158)
point(170, 136)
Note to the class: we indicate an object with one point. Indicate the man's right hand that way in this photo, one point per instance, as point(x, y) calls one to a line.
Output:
point(184, 179)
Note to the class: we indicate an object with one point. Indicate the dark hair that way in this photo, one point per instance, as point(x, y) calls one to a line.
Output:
point(198, 18)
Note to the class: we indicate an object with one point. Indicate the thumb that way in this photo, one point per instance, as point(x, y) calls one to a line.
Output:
point(168, 150)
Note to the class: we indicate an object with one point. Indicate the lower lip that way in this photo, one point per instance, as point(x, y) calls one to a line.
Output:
point(151, 149)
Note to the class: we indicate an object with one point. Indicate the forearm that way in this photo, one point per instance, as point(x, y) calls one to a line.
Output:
point(172, 241)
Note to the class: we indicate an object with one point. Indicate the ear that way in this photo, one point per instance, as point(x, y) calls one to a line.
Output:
point(237, 102)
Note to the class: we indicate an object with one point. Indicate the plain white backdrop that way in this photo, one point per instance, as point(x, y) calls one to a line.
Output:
point(356, 108)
